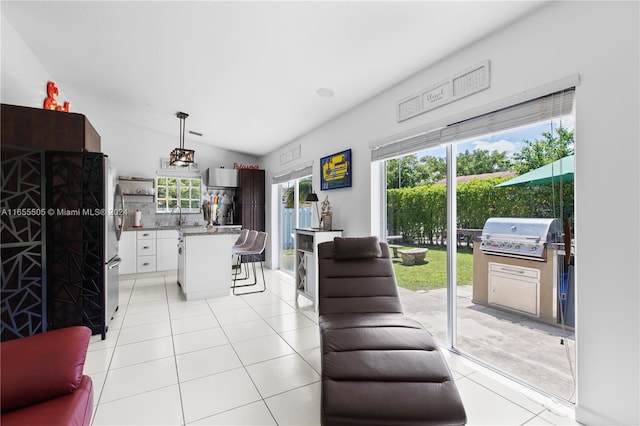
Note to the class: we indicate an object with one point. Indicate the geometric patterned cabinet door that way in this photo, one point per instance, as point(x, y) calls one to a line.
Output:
point(75, 240)
point(22, 248)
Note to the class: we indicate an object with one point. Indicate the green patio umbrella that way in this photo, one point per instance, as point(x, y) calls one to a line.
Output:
point(559, 171)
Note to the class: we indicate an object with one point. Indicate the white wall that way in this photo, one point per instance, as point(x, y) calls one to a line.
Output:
point(135, 151)
point(23, 78)
point(600, 42)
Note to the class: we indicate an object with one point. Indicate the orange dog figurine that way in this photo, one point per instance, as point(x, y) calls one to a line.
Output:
point(50, 101)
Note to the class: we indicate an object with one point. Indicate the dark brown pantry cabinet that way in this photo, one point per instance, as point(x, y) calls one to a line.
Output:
point(251, 199)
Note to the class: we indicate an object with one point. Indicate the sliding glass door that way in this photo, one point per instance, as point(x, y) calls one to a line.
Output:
point(517, 314)
point(416, 232)
point(511, 308)
point(294, 212)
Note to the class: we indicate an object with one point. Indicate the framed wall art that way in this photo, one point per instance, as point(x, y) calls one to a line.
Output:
point(335, 170)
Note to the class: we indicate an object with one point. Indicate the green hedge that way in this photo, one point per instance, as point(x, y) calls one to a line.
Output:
point(419, 214)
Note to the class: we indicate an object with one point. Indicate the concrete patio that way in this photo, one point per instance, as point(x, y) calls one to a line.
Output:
point(524, 348)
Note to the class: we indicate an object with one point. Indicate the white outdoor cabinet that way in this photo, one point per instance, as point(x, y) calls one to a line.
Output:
point(306, 261)
point(127, 252)
point(167, 250)
point(515, 287)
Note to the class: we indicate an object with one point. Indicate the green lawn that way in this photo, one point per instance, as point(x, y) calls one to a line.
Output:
point(433, 274)
point(427, 276)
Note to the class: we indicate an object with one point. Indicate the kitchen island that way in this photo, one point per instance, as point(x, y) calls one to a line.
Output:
point(204, 261)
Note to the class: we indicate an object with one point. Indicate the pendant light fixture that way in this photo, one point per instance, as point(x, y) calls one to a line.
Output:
point(181, 156)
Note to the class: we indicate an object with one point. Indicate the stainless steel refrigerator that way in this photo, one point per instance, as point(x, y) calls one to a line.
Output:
point(114, 216)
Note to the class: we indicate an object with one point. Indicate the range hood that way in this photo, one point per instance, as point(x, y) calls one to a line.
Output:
point(222, 178)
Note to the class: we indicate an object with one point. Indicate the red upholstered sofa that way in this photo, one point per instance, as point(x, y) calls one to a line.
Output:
point(42, 381)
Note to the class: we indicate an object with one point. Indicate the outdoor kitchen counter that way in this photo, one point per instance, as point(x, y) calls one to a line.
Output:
point(558, 248)
point(204, 261)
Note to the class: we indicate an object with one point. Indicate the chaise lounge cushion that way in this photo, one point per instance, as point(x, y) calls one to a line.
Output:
point(379, 367)
point(357, 248)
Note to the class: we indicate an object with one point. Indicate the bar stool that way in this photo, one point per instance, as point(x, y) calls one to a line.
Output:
point(253, 254)
point(241, 238)
point(244, 233)
point(238, 246)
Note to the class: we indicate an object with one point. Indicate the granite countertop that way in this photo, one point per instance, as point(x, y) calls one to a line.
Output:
point(152, 228)
point(203, 230)
point(318, 230)
point(178, 228)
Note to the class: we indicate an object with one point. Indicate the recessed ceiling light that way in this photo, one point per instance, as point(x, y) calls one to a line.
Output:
point(323, 92)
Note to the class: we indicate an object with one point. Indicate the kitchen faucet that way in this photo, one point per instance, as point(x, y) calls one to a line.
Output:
point(180, 222)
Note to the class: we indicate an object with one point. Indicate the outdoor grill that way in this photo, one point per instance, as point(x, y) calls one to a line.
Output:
point(519, 237)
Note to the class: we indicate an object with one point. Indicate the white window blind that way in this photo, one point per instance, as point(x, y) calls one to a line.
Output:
point(405, 146)
point(537, 110)
point(541, 109)
point(300, 172)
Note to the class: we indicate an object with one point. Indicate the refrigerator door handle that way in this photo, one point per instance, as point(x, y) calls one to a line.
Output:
point(118, 221)
point(115, 261)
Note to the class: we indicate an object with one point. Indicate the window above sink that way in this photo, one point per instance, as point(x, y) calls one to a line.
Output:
point(173, 192)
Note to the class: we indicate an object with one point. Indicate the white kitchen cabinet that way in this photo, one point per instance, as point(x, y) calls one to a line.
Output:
point(167, 250)
point(182, 264)
point(127, 252)
point(146, 264)
point(204, 264)
point(146, 251)
point(306, 261)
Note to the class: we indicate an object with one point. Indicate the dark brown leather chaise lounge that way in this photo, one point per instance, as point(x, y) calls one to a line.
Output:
point(379, 367)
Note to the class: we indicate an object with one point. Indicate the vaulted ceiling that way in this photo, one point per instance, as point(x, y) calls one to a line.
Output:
point(247, 73)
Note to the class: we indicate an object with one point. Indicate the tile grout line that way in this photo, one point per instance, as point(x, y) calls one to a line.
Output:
point(504, 396)
point(244, 367)
point(175, 356)
point(166, 302)
point(292, 348)
point(280, 336)
point(115, 346)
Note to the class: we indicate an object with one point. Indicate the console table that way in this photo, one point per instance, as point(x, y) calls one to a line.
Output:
point(306, 261)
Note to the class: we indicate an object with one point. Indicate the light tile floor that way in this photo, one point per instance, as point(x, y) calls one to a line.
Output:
point(248, 360)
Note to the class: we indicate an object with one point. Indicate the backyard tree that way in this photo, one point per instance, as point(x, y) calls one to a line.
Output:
point(304, 188)
point(547, 200)
point(436, 168)
point(406, 172)
point(544, 151)
point(481, 161)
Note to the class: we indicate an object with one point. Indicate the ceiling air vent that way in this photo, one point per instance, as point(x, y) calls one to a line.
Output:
point(463, 84)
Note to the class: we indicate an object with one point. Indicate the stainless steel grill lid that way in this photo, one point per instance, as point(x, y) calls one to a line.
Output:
point(519, 236)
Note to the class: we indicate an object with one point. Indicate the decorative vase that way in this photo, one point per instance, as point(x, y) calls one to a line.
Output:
point(326, 221)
